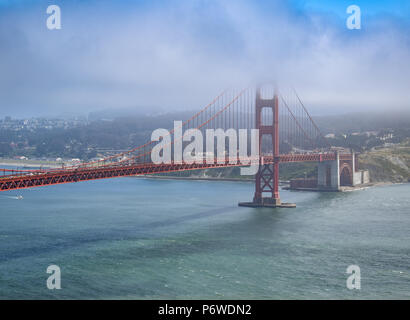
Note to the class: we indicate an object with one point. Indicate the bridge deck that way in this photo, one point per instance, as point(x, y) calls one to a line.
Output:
point(39, 178)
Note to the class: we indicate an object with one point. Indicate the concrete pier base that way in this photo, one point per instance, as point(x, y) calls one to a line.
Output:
point(267, 204)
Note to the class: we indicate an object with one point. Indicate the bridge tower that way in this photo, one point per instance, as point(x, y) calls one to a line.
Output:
point(267, 177)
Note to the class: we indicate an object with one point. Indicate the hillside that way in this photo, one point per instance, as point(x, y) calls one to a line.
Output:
point(388, 164)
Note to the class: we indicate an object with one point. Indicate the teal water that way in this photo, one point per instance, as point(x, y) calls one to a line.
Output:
point(150, 239)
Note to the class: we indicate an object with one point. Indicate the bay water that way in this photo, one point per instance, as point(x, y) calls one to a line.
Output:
point(137, 238)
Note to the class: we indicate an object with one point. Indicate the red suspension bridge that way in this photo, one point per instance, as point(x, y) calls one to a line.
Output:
point(286, 131)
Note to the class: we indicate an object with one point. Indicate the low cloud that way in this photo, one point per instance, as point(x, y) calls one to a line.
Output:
point(179, 54)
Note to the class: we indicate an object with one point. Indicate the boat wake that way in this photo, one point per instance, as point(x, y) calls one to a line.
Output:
point(19, 197)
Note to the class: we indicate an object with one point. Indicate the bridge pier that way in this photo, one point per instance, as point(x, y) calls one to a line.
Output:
point(328, 175)
point(267, 181)
point(267, 178)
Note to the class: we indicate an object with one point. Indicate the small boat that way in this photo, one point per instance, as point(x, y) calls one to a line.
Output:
point(20, 198)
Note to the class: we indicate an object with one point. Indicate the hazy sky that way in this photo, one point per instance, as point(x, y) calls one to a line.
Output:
point(179, 54)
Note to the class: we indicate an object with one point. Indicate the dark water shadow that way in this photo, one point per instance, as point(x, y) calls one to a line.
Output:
point(185, 243)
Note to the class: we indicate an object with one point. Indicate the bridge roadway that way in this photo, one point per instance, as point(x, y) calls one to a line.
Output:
point(37, 178)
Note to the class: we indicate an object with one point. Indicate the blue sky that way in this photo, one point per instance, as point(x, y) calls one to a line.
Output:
point(369, 7)
point(397, 7)
point(178, 54)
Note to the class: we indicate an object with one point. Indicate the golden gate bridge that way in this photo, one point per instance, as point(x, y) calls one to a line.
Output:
point(287, 133)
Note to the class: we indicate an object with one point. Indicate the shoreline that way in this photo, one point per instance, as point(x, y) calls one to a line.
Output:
point(281, 183)
point(193, 178)
point(349, 189)
point(34, 163)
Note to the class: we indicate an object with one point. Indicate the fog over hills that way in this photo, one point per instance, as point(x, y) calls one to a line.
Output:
point(363, 121)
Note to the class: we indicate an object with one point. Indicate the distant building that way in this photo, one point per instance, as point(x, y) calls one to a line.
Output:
point(386, 136)
point(370, 133)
